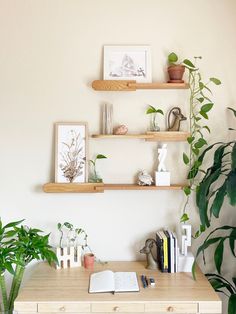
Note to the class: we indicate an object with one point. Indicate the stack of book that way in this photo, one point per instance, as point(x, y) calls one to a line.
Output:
point(167, 251)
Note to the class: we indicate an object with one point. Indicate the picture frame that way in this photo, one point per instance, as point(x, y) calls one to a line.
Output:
point(71, 152)
point(127, 63)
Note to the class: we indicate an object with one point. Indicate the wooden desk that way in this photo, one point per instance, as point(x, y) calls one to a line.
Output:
point(57, 291)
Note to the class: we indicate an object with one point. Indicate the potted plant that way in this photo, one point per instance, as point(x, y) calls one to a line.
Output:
point(19, 245)
point(154, 127)
point(217, 185)
point(95, 178)
point(175, 70)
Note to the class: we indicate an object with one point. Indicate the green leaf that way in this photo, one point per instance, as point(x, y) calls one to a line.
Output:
point(201, 85)
point(200, 143)
point(218, 256)
point(215, 80)
point(207, 128)
point(195, 151)
point(184, 218)
point(187, 190)
point(233, 157)
point(185, 159)
point(218, 200)
point(190, 139)
point(13, 224)
point(200, 99)
point(232, 304)
point(234, 281)
point(151, 110)
point(99, 156)
point(207, 107)
point(198, 119)
point(160, 111)
point(203, 113)
point(232, 240)
point(234, 111)
point(172, 58)
point(231, 184)
point(188, 63)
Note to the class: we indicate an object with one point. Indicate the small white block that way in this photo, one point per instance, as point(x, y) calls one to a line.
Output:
point(185, 263)
point(162, 178)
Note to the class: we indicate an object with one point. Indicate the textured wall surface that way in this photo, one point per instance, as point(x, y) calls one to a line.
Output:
point(51, 51)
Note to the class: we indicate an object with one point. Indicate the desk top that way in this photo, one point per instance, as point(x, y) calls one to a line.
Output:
point(66, 285)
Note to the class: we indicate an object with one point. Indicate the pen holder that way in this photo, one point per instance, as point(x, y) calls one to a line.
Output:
point(89, 259)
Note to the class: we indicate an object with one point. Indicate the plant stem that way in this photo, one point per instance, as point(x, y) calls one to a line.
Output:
point(17, 279)
point(4, 291)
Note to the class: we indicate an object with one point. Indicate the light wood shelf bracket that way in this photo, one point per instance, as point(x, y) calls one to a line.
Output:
point(149, 136)
point(123, 85)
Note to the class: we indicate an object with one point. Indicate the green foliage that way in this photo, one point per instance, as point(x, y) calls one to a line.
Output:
point(19, 245)
point(184, 218)
point(94, 176)
point(172, 58)
point(75, 232)
point(154, 110)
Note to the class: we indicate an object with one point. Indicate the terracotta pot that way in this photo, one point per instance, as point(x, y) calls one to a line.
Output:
point(89, 261)
point(176, 73)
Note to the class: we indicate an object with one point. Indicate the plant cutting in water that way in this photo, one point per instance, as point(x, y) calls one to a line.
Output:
point(154, 127)
point(95, 178)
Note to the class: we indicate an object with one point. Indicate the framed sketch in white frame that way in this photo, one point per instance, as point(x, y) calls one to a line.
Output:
point(127, 63)
point(71, 152)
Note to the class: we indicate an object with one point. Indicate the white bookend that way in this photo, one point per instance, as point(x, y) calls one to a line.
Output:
point(185, 262)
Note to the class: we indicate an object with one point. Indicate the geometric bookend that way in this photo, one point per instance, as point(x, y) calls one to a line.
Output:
point(68, 257)
point(185, 262)
point(162, 178)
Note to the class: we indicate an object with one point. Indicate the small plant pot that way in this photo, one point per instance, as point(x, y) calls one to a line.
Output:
point(89, 259)
point(176, 73)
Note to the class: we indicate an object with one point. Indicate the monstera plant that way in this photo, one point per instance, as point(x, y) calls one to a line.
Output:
point(218, 186)
point(19, 245)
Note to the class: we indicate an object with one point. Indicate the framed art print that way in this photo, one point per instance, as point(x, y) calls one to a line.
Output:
point(71, 152)
point(127, 63)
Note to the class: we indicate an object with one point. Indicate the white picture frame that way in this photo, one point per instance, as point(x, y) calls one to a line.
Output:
point(127, 63)
point(71, 152)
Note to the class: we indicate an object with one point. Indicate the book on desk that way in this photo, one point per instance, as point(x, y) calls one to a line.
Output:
point(109, 281)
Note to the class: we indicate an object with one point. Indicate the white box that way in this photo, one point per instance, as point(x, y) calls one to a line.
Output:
point(162, 178)
point(185, 263)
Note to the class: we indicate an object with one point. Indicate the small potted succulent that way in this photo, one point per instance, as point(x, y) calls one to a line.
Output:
point(175, 69)
point(154, 127)
point(94, 177)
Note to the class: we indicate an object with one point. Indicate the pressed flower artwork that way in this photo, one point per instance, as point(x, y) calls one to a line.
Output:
point(71, 153)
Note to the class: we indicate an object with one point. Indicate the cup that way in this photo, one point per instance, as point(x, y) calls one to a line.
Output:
point(89, 261)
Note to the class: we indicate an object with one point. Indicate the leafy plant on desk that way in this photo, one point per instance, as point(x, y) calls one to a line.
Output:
point(218, 185)
point(19, 245)
point(95, 178)
point(200, 103)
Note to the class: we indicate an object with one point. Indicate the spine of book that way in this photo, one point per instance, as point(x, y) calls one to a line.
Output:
point(165, 251)
point(168, 250)
point(160, 253)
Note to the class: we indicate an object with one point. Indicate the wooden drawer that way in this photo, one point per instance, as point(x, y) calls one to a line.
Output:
point(63, 307)
point(210, 307)
point(117, 307)
point(172, 307)
point(25, 307)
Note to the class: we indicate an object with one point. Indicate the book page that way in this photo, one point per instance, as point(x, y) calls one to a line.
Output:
point(102, 281)
point(126, 282)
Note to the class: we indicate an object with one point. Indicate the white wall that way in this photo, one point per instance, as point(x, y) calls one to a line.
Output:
point(51, 51)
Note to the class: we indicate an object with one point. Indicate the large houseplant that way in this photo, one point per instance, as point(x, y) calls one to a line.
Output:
point(217, 186)
point(19, 245)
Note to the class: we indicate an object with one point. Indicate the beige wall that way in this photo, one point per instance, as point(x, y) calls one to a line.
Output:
point(50, 52)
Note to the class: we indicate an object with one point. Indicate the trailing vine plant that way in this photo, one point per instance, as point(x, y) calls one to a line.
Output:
point(200, 103)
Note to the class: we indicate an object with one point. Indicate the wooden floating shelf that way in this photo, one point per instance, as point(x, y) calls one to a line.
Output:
point(116, 85)
point(100, 187)
point(149, 136)
point(142, 187)
point(73, 188)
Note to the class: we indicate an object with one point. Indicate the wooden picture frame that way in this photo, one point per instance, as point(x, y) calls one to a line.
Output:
point(127, 63)
point(71, 152)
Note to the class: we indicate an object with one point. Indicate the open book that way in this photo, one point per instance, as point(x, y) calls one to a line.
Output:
point(108, 281)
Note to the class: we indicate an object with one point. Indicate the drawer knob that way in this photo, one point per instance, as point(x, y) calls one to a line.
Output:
point(170, 309)
point(62, 309)
point(116, 309)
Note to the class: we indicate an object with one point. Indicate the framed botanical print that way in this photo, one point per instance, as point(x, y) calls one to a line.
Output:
point(127, 63)
point(71, 152)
